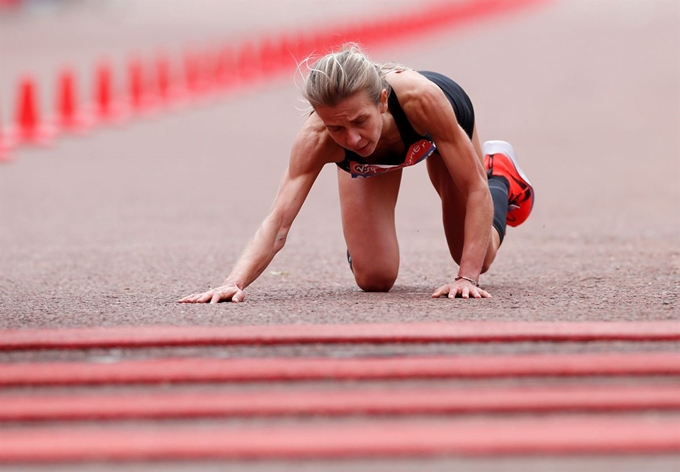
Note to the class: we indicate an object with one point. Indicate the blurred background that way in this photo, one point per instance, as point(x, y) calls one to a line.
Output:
point(587, 91)
point(109, 224)
point(41, 37)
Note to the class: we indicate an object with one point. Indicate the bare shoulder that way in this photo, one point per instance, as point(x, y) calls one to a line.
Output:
point(314, 146)
point(421, 99)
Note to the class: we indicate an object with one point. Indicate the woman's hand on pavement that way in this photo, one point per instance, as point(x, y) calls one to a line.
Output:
point(460, 288)
point(228, 292)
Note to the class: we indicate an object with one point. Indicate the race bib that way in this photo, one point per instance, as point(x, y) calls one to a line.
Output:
point(418, 151)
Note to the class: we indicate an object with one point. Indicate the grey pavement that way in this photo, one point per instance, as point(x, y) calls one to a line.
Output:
point(113, 227)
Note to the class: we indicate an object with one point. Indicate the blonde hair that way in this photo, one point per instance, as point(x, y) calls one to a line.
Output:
point(339, 75)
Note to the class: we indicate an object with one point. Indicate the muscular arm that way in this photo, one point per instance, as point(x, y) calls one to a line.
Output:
point(430, 111)
point(310, 152)
point(271, 236)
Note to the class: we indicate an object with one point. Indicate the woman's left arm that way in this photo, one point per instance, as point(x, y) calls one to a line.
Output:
point(429, 110)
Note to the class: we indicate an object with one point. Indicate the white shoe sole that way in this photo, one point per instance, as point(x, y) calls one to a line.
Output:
point(505, 148)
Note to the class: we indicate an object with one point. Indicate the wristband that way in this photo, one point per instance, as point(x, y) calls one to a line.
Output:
point(472, 281)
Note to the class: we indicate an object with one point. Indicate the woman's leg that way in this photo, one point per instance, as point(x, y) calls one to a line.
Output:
point(453, 207)
point(367, 206)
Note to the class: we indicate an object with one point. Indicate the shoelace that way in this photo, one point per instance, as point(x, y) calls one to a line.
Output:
point(521, 197)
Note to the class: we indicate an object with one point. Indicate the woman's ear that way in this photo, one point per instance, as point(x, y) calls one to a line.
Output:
point(383, 101)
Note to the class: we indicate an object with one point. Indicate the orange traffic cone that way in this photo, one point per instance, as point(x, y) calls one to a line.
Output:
point(303, 47)
point(249, 63)
point(68, 116)
point(191, 73)
point(28, 128)
point(140, 99)
point(194, 73)
point(169, 93)
point(225, 68)
point(105, 109)
point(163, 77)
point(286, 53)
point(269, 57)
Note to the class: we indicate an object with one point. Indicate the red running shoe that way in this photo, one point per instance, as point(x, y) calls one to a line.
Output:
point(500, 159)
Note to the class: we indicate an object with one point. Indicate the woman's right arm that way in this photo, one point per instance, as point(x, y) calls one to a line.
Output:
point(310, 152)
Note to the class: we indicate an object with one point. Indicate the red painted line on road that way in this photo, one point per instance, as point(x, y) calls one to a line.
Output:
point(401, 401)
point(359, 439)
point(291, 369)
point(464, 331)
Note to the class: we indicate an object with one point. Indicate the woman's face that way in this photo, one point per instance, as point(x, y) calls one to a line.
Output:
point(356, 122)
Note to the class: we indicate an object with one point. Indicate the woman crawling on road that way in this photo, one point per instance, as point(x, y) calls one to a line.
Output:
point(372, 120)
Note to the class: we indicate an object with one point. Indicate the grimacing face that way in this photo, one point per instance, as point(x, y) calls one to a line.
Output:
point(356, 122)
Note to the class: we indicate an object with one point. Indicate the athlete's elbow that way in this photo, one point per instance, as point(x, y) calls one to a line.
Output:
point(281, 237)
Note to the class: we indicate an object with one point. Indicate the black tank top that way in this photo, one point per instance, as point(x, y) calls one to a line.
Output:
point(418, 147)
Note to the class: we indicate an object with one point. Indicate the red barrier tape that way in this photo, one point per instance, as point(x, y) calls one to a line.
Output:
point(367, 401)
point(358, 439)
point(456, 332)
point(296, 369)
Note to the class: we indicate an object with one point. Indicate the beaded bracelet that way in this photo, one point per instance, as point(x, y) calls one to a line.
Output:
point(472, 281)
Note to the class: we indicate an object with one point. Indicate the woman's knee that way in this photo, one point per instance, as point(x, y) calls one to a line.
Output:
point(379, 283)
point(375, 280)
point(486, 266)
point(492, 250)
point(489, 258)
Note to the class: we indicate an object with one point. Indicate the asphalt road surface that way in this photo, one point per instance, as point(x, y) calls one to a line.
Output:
point(112, 227)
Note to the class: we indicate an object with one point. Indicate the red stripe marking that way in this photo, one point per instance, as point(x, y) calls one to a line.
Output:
point(338, 402)
point(466, 331)
point(225, 370)
point(360, 439)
